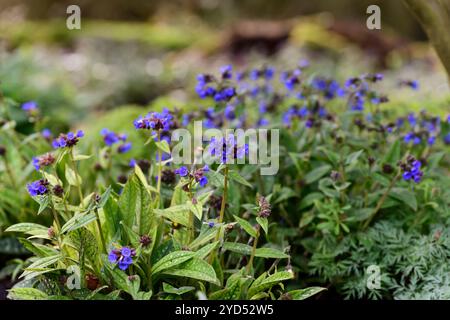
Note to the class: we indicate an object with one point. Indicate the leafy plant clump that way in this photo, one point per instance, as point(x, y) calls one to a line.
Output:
point(357, 185)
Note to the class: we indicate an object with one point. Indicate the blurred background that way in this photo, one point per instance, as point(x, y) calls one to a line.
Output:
point(138, 54)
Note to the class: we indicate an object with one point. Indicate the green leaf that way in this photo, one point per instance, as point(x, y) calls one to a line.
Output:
point(163, 146)
point(233, 175)
point(72, 178)
point(317, 173)
point(51, 178)
point(246, 226)
point(353, 157)
point(393, 155)
point(178, 214)
point(206, 250)
point(306, 219)
point(196, 209)
point(231, 292)
point(133, 237)
point(404, 195)
point(204, 237)
point(215, 178)
point(29, 228)
point(167, 288)
point(270, 253)
point(26, 294)
point(80, 157)
point(196, 269)
point(302, 294)
point(309, 199)
point(237, 247)
point(40, 266)
point(264, 223)
point(78, 221)
point(269, 282)
point(171, 260)
point(104, 197)
point(135, 206)
point(44, 202)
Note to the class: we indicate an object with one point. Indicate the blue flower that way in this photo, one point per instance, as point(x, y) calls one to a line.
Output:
point(411, 170)
point(126, 251)
point(226, 72)
point(125, 147)
point(447, 138)
point(132, 163)
point(229, 112)
point(431, 140)
point(122, 256)
point(30, 106)
point(226, 149)
point(412, 119)
point(46, 133)
point(109, 137)
point(67, 140)
point(182, 171)
point(262, 122)
point(155, 121)
point(38, 187)
point(203, 181)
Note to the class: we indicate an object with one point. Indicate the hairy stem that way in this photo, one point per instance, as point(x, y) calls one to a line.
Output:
point(381, 201)
point(252, 256)
point(99, 226)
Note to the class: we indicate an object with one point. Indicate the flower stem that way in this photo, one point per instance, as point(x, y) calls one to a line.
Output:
point(224, 197)
point(252, 256)
point(158, 183)
point(381, 201)
point(222, 210)
point(99, 226)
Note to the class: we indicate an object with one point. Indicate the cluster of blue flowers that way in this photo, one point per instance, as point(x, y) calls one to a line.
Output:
point(155, 121)
point(198, 175)
point(38, 187)
point(421, 128)
point(122, 256)
point(67, 140)
point(227, 149)
point(411, 170)
point(209, 86)
point(110, 138)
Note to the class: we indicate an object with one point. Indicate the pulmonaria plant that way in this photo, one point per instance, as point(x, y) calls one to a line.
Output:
point(111, 138)
point(146, 229)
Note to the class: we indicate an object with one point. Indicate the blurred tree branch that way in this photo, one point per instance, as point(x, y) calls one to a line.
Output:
point(434, 17)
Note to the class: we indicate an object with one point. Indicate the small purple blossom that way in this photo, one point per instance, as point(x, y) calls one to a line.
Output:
point(67, 140)
point(182, 171)
point(38, 187)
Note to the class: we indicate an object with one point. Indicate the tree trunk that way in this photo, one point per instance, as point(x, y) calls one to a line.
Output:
point(434, 17)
